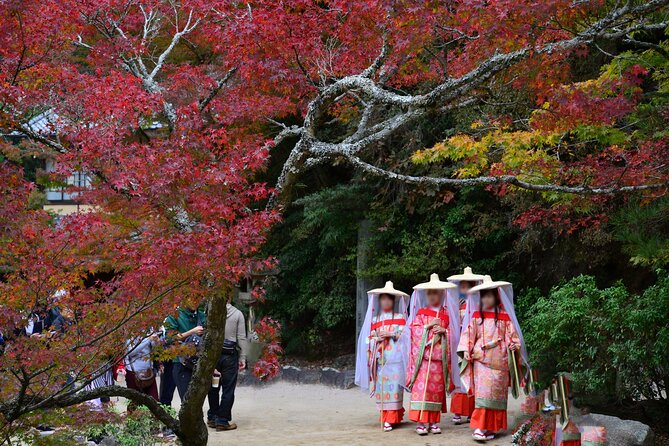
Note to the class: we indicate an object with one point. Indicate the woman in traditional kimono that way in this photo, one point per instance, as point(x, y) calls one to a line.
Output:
point(489, 341)
point(462, 401)
point(382, 353)
point(431, 322)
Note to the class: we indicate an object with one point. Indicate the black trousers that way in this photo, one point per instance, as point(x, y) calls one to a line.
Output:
point(167, 383)
point(221, 411)
point(182, 376)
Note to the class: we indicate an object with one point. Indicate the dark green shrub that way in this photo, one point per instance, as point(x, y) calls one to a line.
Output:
point(615, 344)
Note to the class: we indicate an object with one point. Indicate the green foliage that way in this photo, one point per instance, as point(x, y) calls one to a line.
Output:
point(138, 429)
point(599, 134)
point(613, 343)
point(643, 229)
point(316, 246)
point(648, 118)
point(467, 232)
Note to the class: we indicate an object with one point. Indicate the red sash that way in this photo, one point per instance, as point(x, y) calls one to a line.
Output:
point(428, 312)
point(491, 315)
point(376, 325)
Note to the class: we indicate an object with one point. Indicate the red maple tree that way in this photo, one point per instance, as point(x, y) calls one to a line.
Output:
point(168, 105)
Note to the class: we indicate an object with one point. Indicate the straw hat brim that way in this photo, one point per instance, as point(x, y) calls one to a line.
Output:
point(434, 285)
point(385, 290)
point(468, 277)
point(489, 286)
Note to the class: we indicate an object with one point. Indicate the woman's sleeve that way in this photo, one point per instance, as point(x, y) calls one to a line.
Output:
point(398, 331)
point(415, 336)
point(468, 337)
point(131, 350)
point(511, 334)
point(372, 334)
point(140, 350)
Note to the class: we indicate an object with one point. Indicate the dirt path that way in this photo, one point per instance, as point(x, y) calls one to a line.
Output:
point(288, 414)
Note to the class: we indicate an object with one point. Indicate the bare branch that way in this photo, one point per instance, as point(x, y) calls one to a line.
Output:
point(648, 45)
point(380, 59)
point(80, 42)
point(203, 103)
point(151, 23)
point(499, 180)
point(175, 40)
point(35, 136)
point(302, 68)
point(67, 400)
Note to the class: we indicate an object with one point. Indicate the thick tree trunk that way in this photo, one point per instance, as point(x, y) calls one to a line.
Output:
point(192, 427)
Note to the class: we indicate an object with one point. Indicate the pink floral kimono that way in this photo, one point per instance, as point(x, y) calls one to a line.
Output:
point(428, 387)
point(488, 340)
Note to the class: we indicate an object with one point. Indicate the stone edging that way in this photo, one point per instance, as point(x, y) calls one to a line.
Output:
point(341, 379)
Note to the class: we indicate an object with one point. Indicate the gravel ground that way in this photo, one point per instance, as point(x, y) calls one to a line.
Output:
point(289, 414)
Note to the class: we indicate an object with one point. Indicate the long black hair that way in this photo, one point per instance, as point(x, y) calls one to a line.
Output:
point(498, 301)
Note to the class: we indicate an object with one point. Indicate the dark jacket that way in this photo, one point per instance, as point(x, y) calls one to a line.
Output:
point(184, 320)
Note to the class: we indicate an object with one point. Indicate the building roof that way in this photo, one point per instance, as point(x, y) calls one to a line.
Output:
point(45, 123)
point(48, 122)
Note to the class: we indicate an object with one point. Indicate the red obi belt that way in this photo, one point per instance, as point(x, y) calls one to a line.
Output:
point(428, 312)
point(491, 315)
point(376, 325)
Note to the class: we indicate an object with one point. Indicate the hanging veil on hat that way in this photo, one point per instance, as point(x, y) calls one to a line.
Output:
point(453, 305)
point(395, 361)
point(455, 296)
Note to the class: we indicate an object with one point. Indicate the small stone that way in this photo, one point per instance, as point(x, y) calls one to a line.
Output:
point(308, 376)
point(109, 441)
point(349, 379)
point(290, 373)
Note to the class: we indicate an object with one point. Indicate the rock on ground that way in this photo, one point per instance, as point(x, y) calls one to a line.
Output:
point(620, 432)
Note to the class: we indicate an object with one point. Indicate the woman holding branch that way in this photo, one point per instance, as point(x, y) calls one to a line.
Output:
point(431, 323)
point(382, 353)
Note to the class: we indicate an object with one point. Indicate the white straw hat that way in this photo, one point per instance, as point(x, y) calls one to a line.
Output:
point(467, 275)
point(388, 289)
point(488, 284)
point(434, 284)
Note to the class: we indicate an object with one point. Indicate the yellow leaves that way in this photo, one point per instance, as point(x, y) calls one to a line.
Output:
point(521, 152)
point(460, 147)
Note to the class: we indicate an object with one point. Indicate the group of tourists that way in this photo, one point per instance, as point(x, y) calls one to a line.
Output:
point(183, 330)
point(186, 328)
point(459, 337)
